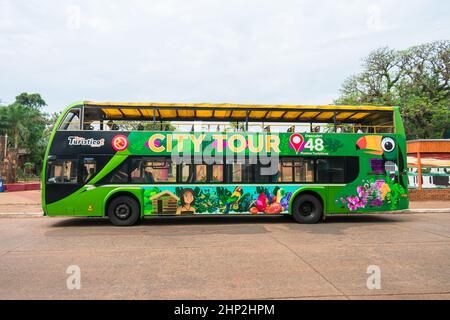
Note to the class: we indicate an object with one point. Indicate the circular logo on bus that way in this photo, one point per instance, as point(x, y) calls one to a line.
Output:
point(120, 143)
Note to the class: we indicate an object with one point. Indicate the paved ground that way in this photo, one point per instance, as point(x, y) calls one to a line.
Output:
point(429, 205)
point(226, 257)
point(20, 202)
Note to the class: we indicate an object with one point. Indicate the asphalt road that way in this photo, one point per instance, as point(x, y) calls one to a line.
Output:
point(227, 258)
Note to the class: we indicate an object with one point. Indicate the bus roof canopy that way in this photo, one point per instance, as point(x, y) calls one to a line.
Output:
point(243, 112)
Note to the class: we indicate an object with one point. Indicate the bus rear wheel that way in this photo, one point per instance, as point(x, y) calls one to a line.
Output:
point(307, 209)
point(123, 211)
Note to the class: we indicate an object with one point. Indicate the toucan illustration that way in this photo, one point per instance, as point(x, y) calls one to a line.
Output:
point(233, 199)
point(386, 148)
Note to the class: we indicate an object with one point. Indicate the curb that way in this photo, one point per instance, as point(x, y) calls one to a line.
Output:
point(438, 210)
point(20, 214)
point(407, 211)
point(21, 204)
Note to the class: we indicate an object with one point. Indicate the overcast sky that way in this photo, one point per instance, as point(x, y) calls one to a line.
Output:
point(286, 52)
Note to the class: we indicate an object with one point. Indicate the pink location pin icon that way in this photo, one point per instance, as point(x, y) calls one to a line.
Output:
point(296, 141)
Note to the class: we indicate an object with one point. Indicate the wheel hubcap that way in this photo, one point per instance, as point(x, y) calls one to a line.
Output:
point(122, 211)
point(306, 209)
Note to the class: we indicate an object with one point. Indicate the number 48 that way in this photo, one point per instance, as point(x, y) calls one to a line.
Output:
point(314, 144)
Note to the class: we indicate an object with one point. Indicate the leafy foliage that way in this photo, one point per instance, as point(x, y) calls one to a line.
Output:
point(245, 202)
point(332, 145)
point(25, 123)
point(148, 193)
point(416, 79)
point(374, 193)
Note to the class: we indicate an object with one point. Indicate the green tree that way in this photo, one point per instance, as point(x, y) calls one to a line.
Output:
point(416, 79)
point(51, 122)
point(25, 123)
point(13, 120)
point(33, 100)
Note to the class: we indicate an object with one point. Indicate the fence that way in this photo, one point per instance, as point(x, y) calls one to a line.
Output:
point(438, 178)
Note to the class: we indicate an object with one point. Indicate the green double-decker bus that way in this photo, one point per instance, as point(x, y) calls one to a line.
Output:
point(127, 161)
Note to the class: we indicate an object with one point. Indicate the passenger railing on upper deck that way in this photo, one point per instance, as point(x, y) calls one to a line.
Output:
point(207, 117)
point(365, 129)
point(240, 127)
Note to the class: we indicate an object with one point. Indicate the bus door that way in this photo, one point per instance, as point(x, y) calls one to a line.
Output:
point(61, 181)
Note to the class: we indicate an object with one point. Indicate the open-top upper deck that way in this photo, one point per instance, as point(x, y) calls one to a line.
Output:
point(341, 118)
point(243, 112)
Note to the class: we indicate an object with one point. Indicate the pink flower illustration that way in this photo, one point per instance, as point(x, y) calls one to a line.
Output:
point(369, 193)
point(354, 203)
point(379, 184)
point(376, 203)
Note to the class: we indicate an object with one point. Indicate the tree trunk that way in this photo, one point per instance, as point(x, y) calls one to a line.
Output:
point(16, 138)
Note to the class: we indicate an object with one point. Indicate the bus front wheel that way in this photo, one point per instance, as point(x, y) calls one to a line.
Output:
point(307, 209)
point(123, 211)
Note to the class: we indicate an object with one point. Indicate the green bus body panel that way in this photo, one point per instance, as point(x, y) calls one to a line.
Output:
point(91, 201)
point(398, 123)
point(371, 191)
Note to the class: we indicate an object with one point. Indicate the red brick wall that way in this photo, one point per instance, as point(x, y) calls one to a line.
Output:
point(430, 195)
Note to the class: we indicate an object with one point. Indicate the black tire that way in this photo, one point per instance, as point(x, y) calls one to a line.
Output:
point(307, 209)
point(124, 211)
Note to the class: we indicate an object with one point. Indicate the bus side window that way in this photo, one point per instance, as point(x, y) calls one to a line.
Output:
point(242, 172)
point(62, 171)
point(236, 172)
point(331, 170)
point(119, 175)
point(71, 121)
point(187, 175)
point(304, 170)
point(89, 169)
point(390, 167)
point(54, 173)
point(286, 171)
point(264, 173)
point(352, 169)
point(92, 119)
point(217, 173)
point(200, 173)
point(151, 170)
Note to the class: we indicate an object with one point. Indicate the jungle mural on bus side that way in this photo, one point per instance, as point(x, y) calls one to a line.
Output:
point(217, 200)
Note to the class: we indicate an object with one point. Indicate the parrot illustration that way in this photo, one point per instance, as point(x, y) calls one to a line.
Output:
point(261, 202)
point(233, 199)
point(385, 148)
point(285, 201)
